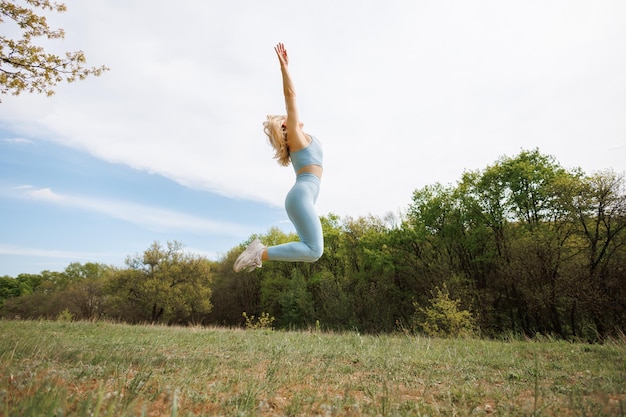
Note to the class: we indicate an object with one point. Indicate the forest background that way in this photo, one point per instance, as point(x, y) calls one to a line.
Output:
point(524, 247)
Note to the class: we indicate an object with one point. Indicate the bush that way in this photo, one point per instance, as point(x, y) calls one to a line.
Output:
point(442, 318)
point(264, 322)
point(65, 316)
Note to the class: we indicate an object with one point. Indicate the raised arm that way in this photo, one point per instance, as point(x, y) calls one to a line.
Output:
point(295, 136)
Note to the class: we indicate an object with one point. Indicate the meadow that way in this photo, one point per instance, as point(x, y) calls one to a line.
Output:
point(105, 369)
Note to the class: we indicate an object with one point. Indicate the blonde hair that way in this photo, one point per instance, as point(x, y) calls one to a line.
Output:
point(273, 128)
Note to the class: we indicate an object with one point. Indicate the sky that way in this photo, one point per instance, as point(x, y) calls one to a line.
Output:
point(168, 144)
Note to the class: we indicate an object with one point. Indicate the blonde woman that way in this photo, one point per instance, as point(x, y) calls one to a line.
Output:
point(292, 145)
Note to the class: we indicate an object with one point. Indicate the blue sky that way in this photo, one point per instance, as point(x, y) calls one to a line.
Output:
point(61, 206)
point(168, 144)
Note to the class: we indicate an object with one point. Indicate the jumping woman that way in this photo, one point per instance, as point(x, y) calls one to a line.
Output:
point(304, 152)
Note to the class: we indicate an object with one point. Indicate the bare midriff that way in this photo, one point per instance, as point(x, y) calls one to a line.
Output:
point(311, 169)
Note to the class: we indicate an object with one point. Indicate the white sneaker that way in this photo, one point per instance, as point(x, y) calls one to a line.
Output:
point(250, 259)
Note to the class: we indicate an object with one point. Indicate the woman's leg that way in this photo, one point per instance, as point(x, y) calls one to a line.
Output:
point(300, 206)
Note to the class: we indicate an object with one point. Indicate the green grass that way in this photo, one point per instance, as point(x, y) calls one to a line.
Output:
point(105, 369)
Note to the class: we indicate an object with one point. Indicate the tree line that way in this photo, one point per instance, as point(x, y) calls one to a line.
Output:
point(523, 246)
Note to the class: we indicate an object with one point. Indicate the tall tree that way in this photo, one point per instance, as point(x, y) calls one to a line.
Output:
point(86, 289)
point(26, 66)
point(162, 285)
point(600, 206)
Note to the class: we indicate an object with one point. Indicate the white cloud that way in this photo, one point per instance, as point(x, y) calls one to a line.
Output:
point(44, 194)
point(17, 141)
point(152, 218)
point(47, 253)
point(402, 96)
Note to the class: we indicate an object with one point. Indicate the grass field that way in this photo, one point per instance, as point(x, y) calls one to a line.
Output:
point(105, 369)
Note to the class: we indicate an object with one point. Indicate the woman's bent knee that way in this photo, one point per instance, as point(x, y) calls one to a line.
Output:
point(315, 254)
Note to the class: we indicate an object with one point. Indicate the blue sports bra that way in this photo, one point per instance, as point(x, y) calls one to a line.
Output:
point(311, 155)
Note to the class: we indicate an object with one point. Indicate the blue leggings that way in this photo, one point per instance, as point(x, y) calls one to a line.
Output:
point(300, 206)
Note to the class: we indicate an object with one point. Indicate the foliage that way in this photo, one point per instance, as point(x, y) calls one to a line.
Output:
point(26, 66)
point(443, 318)
point(289, 298)
point(65, 316)
point(163, 284)
point(263, 322)
point(525, 245)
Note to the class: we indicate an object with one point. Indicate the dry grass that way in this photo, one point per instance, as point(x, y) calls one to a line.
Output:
point(104, 369)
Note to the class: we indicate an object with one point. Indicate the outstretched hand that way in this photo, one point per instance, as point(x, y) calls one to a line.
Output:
point(281, 52)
